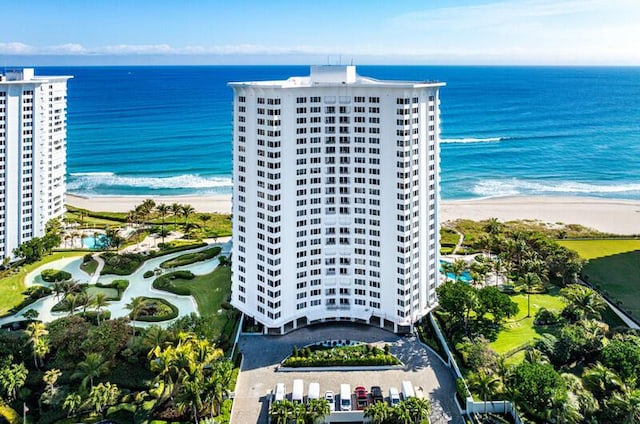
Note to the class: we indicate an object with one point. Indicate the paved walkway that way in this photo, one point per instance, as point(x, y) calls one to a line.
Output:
point(262, 355)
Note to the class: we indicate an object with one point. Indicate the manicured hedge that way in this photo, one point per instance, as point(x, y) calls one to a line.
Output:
point(156, 309)
point(358, 355)
point(148, 274)
point(124, 264)
point(120, 285)
point(164, 282)
point(53, 275)
point(190, 258)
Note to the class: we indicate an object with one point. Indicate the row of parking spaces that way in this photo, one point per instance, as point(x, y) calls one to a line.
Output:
point(347, 400)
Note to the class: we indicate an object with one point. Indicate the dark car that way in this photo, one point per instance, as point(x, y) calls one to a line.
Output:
point(376, 394)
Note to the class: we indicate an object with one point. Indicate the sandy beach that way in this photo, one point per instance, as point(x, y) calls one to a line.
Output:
point(608, 215)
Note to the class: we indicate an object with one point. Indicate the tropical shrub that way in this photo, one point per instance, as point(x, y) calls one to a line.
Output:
point(124, 264)
point(355, 355)
point(190, 258)
point(53, 275)
point(156, 309)
point(164, 282)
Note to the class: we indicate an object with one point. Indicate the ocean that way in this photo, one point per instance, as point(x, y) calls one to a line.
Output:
point(505, 130)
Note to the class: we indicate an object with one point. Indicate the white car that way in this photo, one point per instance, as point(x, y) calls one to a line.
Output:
point(331, 399)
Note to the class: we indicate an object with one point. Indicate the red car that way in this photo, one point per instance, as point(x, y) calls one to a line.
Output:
point(362, 398)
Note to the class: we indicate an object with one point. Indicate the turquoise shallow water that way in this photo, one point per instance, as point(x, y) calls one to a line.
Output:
point(505, 131)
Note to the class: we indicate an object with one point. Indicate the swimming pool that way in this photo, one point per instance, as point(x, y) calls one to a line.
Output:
point(465, 277)
point(95, 243)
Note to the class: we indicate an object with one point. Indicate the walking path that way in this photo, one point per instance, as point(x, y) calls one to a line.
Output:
point(138, 286)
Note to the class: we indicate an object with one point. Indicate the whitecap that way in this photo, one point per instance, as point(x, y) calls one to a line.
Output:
point(92, 180)
point(473, 140)
point(518, 187)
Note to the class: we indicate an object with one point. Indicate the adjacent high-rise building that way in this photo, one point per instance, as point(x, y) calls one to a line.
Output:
point(33, 113)
point(335, 201)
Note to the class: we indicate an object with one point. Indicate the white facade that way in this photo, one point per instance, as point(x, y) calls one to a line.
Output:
point(335, 202)
point(33, 136)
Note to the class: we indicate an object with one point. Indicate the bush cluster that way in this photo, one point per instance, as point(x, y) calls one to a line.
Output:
point(148, 274)
point(156, 309)
point(124, 264)
point(164, 282)
point(191, 258)
point(53, 275)
point(358, 355)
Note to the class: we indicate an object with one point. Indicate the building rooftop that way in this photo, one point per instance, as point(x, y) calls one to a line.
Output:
point(20, 76)
point(335, 75)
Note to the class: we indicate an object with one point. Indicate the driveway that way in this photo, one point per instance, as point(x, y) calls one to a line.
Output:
point(262, 355)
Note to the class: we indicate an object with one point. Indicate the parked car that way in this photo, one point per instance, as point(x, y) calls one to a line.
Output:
point(376, 394)
point(394, 396)
point(362, 398)
point(330, 397)
point(345, 397)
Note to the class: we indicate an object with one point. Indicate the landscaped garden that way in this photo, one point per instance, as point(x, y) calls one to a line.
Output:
point(554, 348)
point(613, 268)
point(86, 367)
point(348, 355)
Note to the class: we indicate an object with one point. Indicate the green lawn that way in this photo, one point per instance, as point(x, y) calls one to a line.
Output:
point(12, 285)
point(592, 249)
point(210, 291)
point(520, 330)
point(613, 267)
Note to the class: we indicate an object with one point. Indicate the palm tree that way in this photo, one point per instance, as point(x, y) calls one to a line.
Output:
point(71, 403)
point(584, 299)
point(163, 211)
point(190, 397)
point(378, 412)
point(402, 414)
point(493, 226)
point(458, 267)
point(564, 410)
point(485, 384)
point(529, 281)
point(36, 331)
point(418, 408)
point(176, 210)
point(71, 300)
point(627, 401)
point(100, 301)
point(317, 409)
point(13, 378)
point(280, 412)
point(50, 378)
point(186, 211)
point(498, 266)
point(600, 379)
point(102, 396)
point(85, 301)
point(535, 356)
point(136, 306)
point(92, 367)
point(447, 269)
point(155, 336)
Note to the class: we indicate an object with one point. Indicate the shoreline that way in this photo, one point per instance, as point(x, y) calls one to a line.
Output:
point(617, 216)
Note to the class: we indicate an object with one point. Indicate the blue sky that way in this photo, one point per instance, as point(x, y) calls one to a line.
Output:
point(527, 32)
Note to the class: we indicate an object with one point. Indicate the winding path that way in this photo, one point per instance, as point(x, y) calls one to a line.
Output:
point(138, 286)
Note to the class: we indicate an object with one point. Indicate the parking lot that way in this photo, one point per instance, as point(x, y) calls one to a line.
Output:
point(262, 356)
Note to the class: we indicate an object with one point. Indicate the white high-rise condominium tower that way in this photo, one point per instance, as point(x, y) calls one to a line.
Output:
point(335, 201)
point(33, 135)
